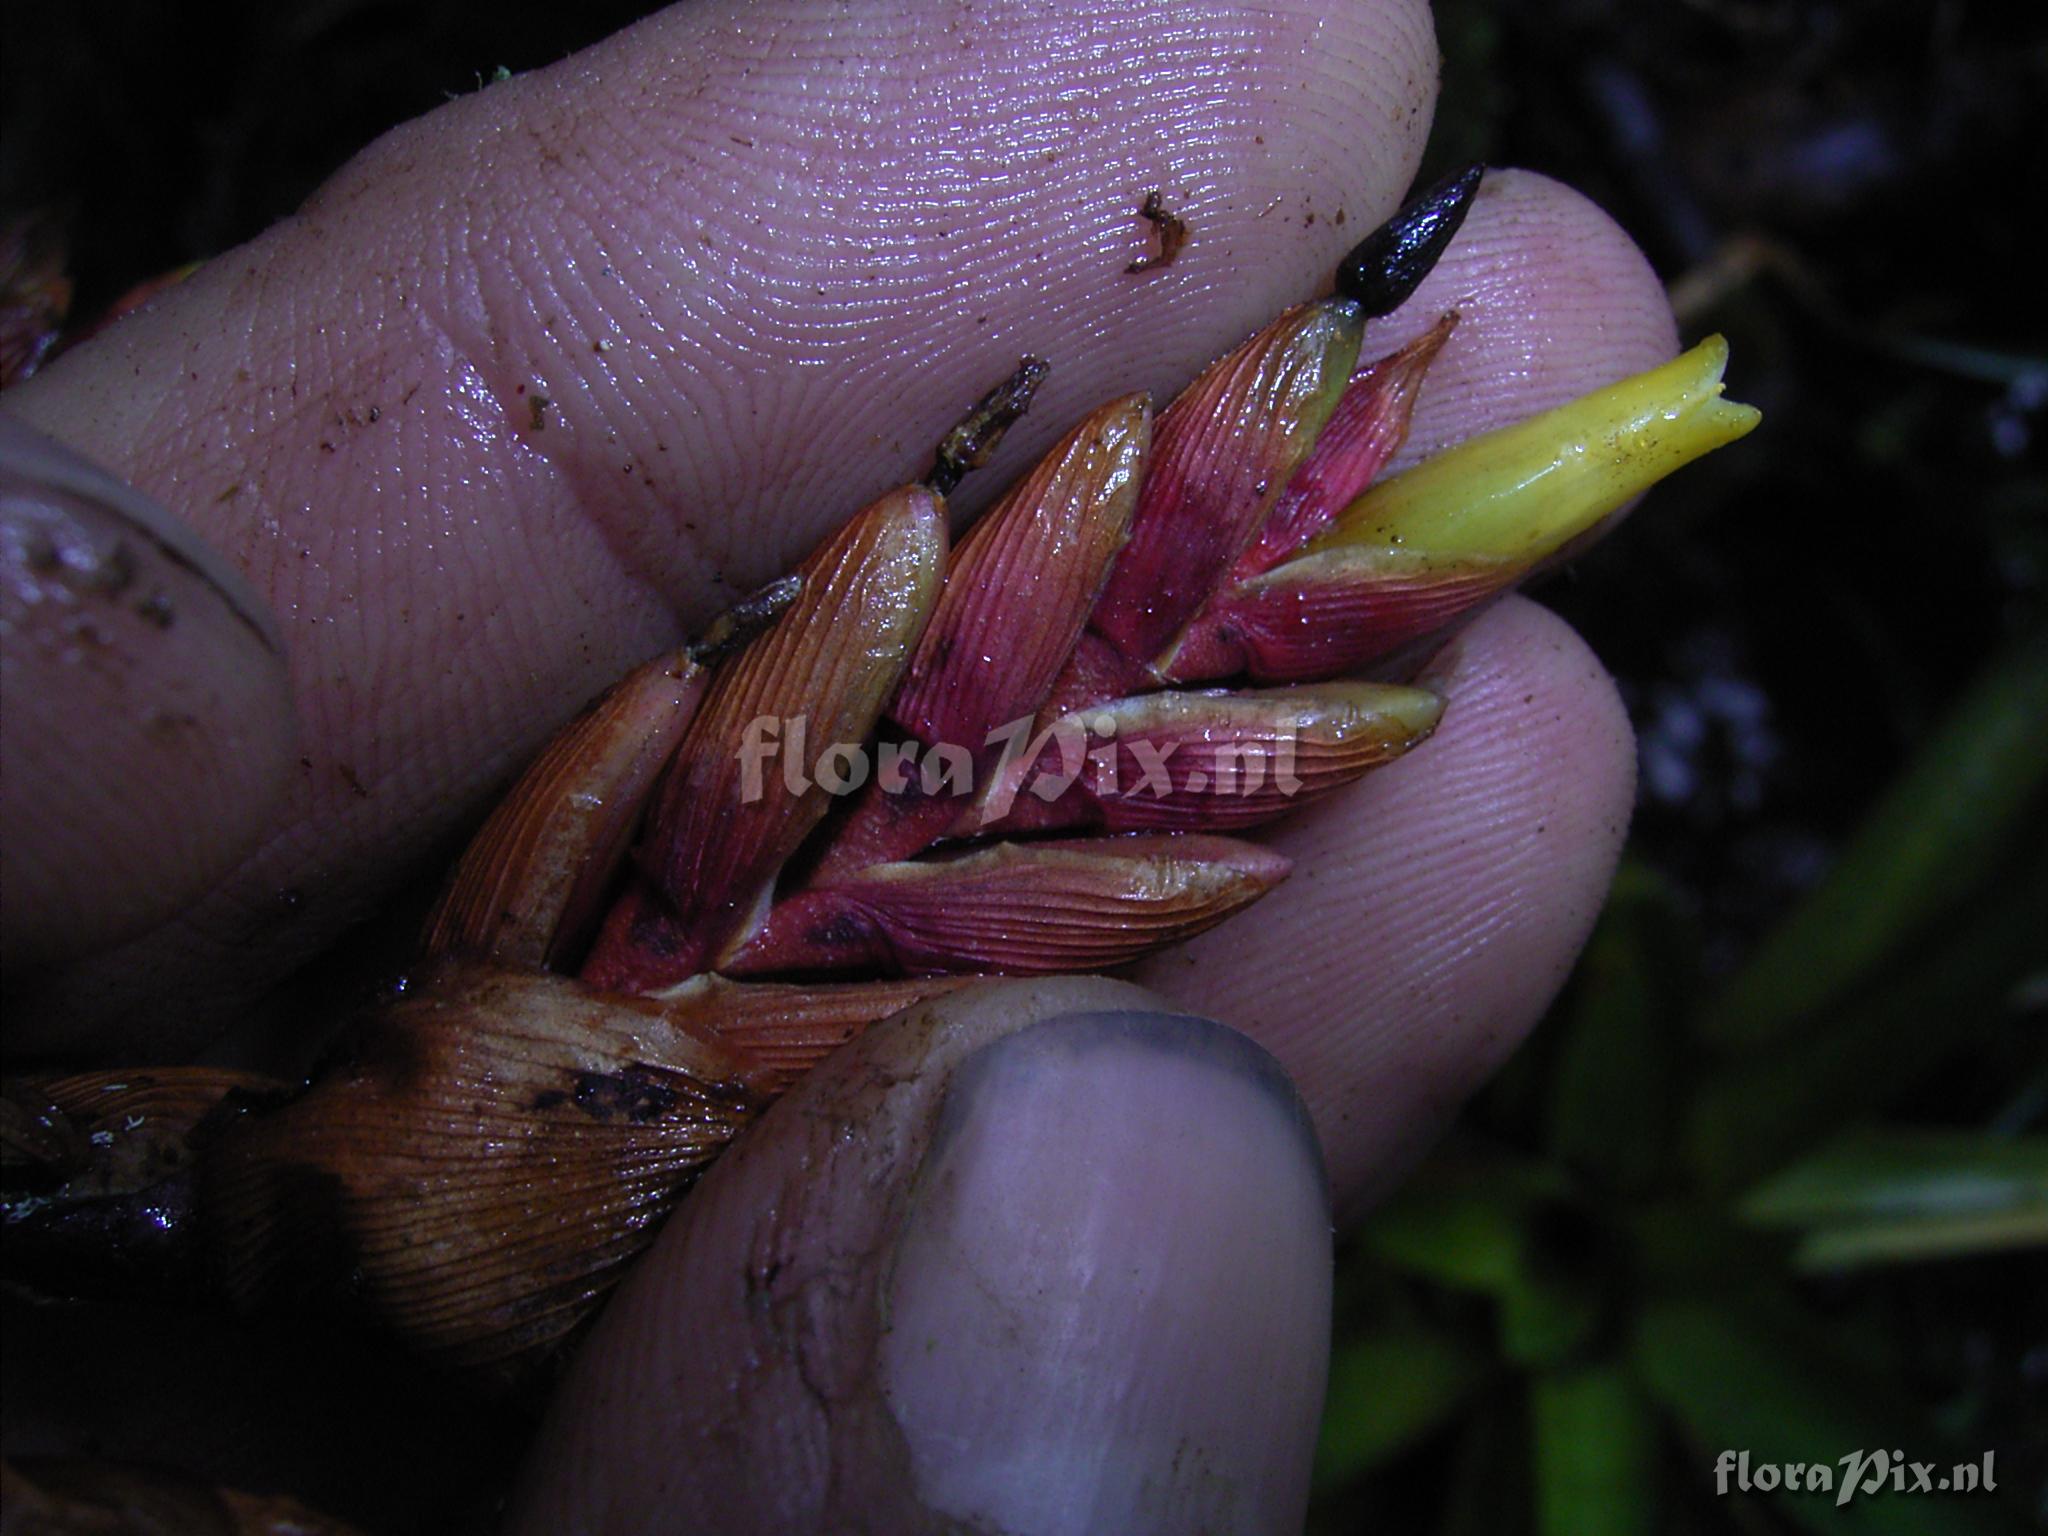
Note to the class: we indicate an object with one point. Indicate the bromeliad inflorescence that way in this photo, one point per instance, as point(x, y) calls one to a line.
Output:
point(900, 769)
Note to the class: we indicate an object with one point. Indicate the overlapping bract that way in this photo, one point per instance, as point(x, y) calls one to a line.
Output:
point(1033, 685)
point(1031, 753)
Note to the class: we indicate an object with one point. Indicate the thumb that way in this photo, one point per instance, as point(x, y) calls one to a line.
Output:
point(1073, 1274)
point(148, 722)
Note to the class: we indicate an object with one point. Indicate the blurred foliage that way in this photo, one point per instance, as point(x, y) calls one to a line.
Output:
point(1772, 1175)
point(1664, 1238)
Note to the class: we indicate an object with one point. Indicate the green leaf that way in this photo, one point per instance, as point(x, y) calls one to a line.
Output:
point(1749, 1116)
point(1546, 1315)
point(1906, 1240)
point(1506, 1228)
point(1890, 1196)
point(1464, 1220)
point(1738, 1385)
point(1610, 1114)
point(1946, 822)
point(1595, 1446)
point(1388, 1389)
point(1897, 1172)
point(1469, 1240)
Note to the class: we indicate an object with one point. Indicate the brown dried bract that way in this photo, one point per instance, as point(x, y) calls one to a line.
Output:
point(977, 435)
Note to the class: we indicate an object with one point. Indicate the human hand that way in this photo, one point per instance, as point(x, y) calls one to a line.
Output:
point(798, 268)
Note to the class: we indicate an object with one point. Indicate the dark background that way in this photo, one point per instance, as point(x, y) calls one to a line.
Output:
point(1848, 190)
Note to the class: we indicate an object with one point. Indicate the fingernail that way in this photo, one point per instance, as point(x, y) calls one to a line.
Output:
point(110, 515)
point(149, 715)
point(1109, 1305)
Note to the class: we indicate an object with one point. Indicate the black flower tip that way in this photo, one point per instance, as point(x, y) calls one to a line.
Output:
point(1389, 264)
